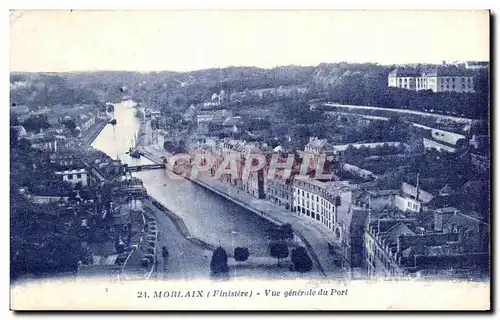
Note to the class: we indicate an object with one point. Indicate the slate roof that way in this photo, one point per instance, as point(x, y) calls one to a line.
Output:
point(405, 72)
point(435, 71)
point(397, 230)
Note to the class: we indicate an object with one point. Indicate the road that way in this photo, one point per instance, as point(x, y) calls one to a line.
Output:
point(186, 260)
point(310, 231)
point(433, 115)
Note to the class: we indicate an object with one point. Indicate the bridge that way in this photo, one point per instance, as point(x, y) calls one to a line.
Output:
point(154, 166)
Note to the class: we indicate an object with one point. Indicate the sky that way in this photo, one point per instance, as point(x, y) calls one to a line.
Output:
point(61, 41)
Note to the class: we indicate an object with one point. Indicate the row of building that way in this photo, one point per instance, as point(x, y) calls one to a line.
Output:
point(389, 233)
point(406, 232)
point(101, 211)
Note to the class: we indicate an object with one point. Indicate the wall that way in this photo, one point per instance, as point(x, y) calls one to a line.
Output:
point(407, 204)
point(433, 145)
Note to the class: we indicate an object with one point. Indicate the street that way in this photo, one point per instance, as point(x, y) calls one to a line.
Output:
point(186, 260)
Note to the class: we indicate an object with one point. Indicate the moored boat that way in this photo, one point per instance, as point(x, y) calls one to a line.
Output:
point(134, 153)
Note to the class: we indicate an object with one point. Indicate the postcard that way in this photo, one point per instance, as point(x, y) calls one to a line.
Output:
point(249, 160)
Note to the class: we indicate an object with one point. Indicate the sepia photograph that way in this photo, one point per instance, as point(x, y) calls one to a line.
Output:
point(184, 160)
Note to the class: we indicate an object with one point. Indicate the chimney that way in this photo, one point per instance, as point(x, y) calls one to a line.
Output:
point(418, 187)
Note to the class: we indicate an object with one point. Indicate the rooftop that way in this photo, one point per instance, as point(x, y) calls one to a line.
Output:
point(431, 71)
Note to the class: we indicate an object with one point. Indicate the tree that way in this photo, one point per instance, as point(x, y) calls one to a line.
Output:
point(241, 254)
point(278, 250)
point(301, 260)
point(70, 124)
point(287, 231)
point(36, 123)
point(218, 264)
point(283, 232)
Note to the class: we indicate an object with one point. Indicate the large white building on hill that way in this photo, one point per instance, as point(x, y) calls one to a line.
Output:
point(437, 79)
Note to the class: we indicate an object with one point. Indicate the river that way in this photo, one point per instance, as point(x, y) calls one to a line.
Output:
point(208, 216)
point(116, 140)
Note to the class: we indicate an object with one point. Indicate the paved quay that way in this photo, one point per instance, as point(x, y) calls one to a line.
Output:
point(91, 134)
point(186, 260)
point(311, 232)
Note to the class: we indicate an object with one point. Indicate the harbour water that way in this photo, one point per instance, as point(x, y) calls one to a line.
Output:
point(208, 216)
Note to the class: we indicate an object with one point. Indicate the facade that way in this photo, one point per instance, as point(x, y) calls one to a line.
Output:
point(84, 122)
point(280, 192)
point(235, 152)
point(438, 79)
point(74, 176)
point(411, 198)
point(321, 201)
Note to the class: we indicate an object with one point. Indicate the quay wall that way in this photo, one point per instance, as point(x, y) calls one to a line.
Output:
point(93, 132)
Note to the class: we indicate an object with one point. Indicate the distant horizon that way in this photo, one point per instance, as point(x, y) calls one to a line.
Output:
point(186, 41)
point(249, 66)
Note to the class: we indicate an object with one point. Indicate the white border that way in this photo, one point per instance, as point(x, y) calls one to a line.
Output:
point(197, 4)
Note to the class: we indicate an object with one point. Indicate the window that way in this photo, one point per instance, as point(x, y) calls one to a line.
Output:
point(70, 176)
point(79, 176)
